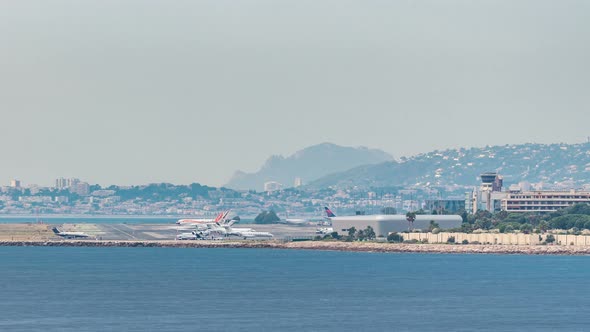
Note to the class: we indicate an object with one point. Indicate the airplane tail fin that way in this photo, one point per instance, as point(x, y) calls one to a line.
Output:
point(231, 221)
point(329, 212)
point(222, 216)
point(55, 230)
point(225, 214)
point(219, 217)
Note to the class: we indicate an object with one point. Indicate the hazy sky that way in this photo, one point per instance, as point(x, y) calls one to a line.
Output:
point(138, 91)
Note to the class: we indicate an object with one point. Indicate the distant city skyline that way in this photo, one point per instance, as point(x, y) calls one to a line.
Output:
point(139, 92)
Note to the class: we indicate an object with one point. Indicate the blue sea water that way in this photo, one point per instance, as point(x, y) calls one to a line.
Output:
point(173, 289)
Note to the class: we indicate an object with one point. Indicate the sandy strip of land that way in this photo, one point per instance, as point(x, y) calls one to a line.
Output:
point(320, 245)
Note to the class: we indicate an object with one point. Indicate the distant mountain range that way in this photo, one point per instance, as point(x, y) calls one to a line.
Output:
point(556, 165)
point(308, 164)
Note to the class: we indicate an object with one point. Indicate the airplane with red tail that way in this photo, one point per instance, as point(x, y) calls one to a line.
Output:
point(221, 218)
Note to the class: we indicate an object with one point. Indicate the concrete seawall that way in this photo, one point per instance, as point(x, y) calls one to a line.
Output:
point(500, 238)
point(325, 245)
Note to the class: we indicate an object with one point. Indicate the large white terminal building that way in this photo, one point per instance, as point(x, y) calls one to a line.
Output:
point(385, 224)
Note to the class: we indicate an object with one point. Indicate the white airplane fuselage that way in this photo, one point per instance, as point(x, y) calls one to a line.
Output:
point(324, 230)
point(256, 235)
point(73, 235)
point(215, 231)
point(194, 221)
point(186, 236)
point(69, 235)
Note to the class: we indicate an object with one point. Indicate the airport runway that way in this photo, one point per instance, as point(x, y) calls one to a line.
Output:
point(169, 231)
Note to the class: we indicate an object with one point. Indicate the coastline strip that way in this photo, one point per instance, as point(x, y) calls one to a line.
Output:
point(318, 245)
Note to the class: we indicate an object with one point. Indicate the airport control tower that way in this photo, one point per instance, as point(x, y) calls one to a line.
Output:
point(490, 182)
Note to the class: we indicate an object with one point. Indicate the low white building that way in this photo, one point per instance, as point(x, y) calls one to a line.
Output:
point(384, 224)
point(542, 201)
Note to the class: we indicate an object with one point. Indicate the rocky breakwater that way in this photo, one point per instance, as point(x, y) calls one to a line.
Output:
point(324, 245)
point(441, 248)
point(138, 244)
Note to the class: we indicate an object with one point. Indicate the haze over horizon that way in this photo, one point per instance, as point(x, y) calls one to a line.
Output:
point(150, 91)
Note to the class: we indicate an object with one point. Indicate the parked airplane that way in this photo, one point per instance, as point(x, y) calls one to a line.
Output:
point(220, 217)
point(215, 231)
point(329, 212)
point(69, 235)
point(291, 220)
point(208, 231)
point(218, 226)
point(200, 235)
point(208, 234)
point(326, 230)
point(246, 233)
point(310, 220)
point(255, 235)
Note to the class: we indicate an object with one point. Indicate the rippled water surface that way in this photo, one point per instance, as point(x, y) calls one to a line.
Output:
point(169, 289)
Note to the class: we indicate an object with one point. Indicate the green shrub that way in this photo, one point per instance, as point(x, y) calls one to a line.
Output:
point(526, 228)
point(464, 242)
point(569, 221)
point(267, 217)
point(395, 237)
point(451, 239)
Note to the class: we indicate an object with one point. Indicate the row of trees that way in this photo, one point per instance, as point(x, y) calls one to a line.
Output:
point(576, 217)
point(573, 217)
point(358, 235)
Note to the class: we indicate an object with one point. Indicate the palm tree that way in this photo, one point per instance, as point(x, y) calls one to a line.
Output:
point(351, 233)
point(369, 233)
point(410, 217)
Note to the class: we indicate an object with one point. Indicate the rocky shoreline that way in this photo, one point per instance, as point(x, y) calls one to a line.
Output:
point(319, 245)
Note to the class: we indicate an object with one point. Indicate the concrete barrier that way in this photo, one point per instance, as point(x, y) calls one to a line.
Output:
point(499, 238)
